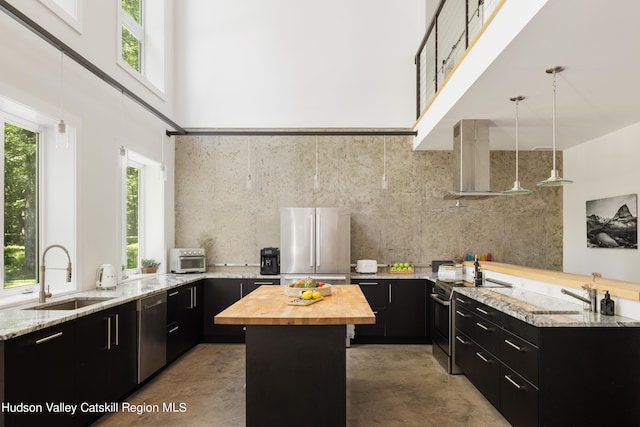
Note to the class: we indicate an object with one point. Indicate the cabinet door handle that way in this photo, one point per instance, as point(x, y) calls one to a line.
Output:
point(460, 300)
point(241, 290)
point(482, 311)
point(172, 330)
point(461, 340)
point(481, 326)
point(484, 359)
point(49, 338)
point(389, 293)
point(375, 312)
point(192, 300)
point(515, 384)
point(172, 294)
point(263, 283)
point(109, 333)
point(368, 283)
point(117, 317)
point(515, 346)
point(461, 314)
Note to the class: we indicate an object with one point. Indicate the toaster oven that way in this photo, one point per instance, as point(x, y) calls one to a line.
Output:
point(187, 260)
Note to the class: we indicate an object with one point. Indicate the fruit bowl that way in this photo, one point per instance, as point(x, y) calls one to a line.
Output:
point(292, 291)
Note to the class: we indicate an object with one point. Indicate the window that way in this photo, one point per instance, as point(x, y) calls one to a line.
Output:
point(132, 33)
point(141, 46)
point(142, 211)
point(133, 206)
point(20, 177)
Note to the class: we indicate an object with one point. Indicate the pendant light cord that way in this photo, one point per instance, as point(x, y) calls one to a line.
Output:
point(517, 115)
point(554, 119)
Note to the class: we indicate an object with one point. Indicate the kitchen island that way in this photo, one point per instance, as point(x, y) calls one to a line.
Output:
point(296, 355)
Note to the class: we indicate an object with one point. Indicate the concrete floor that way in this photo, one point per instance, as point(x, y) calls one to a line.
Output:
point(387, 385)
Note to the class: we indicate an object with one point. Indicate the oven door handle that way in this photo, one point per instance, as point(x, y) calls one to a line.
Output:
point(439, 301)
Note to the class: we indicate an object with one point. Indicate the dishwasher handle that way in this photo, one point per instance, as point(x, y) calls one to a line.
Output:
point(150, 302)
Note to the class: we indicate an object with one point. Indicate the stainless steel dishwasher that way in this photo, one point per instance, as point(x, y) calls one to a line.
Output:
point(152, 334)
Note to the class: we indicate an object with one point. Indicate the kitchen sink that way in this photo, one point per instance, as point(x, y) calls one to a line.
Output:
point(70, 304)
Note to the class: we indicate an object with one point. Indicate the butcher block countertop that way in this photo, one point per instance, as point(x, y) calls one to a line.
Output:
point(267, 305)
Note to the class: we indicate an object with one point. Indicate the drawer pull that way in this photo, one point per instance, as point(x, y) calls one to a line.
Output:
point(49, 338)
point(263, 283)
point(515, 346)
point(461, 340)
point(173, 294)
point(482, 311)
point(462, 314)
point(481, 326)
point(460, 300)
point(515, 384)
point(484, 359)
point(172, 330)
point(368, 283)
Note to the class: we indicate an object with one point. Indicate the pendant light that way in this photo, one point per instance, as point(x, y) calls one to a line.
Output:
point(248, 182)
point(62, 134)
point(554, 180)
point(385, 183)
point(517, 189)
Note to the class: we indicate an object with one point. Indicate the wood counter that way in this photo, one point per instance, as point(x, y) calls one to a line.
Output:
point(618, 288)
point(267, 305)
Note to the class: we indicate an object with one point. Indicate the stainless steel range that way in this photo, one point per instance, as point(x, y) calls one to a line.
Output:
point(443, 325)
point(444, 320)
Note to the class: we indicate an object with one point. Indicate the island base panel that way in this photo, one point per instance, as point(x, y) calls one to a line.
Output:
point(296, 375)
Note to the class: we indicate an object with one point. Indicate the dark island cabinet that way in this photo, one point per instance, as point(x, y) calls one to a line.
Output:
point(106, 357)
point(401, 310)
point(218, 295)
point(184, 319)
point(548, 376)
point(38, 369)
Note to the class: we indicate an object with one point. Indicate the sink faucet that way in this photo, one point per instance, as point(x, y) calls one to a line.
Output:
point(592, 301)
point(44, 295)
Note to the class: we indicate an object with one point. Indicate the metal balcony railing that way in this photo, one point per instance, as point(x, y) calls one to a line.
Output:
point(455, 24)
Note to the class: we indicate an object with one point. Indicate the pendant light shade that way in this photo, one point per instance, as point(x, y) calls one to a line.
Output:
point(554, 180)
point(517, 189)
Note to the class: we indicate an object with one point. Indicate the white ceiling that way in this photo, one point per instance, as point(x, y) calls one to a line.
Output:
point(597, 42)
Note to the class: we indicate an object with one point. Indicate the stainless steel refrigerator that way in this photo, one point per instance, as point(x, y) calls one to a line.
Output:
point(315, 242)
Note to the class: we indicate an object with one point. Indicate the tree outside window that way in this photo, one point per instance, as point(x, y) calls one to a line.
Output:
point(20, 206)
point(132, 33)
point(133, 217)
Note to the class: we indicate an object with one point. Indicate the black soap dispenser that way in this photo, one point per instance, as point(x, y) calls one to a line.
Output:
point(607, 305)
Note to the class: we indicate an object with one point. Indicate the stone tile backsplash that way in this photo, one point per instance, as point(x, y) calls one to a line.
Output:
point(409, 221)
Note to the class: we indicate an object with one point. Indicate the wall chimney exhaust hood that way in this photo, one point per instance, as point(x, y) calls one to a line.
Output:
point(471, 163)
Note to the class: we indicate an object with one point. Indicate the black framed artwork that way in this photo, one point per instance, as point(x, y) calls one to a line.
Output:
point(612, 222)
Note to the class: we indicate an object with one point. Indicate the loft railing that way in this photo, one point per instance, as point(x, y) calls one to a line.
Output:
point(454, 25)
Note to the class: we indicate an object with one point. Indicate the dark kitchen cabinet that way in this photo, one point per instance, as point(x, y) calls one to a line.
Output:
point(184, 319)
point(546, 375)
point(106, 356)
point(400, 307)
point(219, 294)
point(407, 308)
point(39, 368)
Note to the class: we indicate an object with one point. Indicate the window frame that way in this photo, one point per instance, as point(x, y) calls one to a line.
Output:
point(152, 45)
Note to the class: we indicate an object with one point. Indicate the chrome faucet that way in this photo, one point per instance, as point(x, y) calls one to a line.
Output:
point(44, 295)
point(592, 301)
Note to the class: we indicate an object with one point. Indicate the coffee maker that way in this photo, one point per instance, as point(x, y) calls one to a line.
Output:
point(269, 261)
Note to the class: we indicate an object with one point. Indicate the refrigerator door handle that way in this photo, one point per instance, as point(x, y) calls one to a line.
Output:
point(311, 243)
point(318, 234)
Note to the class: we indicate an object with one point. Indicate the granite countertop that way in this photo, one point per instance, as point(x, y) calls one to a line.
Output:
point(542, 310)
point(16, 321)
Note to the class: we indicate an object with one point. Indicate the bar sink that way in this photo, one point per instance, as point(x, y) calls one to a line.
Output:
point(553, 311)
point(69, 304)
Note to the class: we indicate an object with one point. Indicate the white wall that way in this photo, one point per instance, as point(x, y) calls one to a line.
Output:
point(291, 63)
point(103, 118)
point(604, 167)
